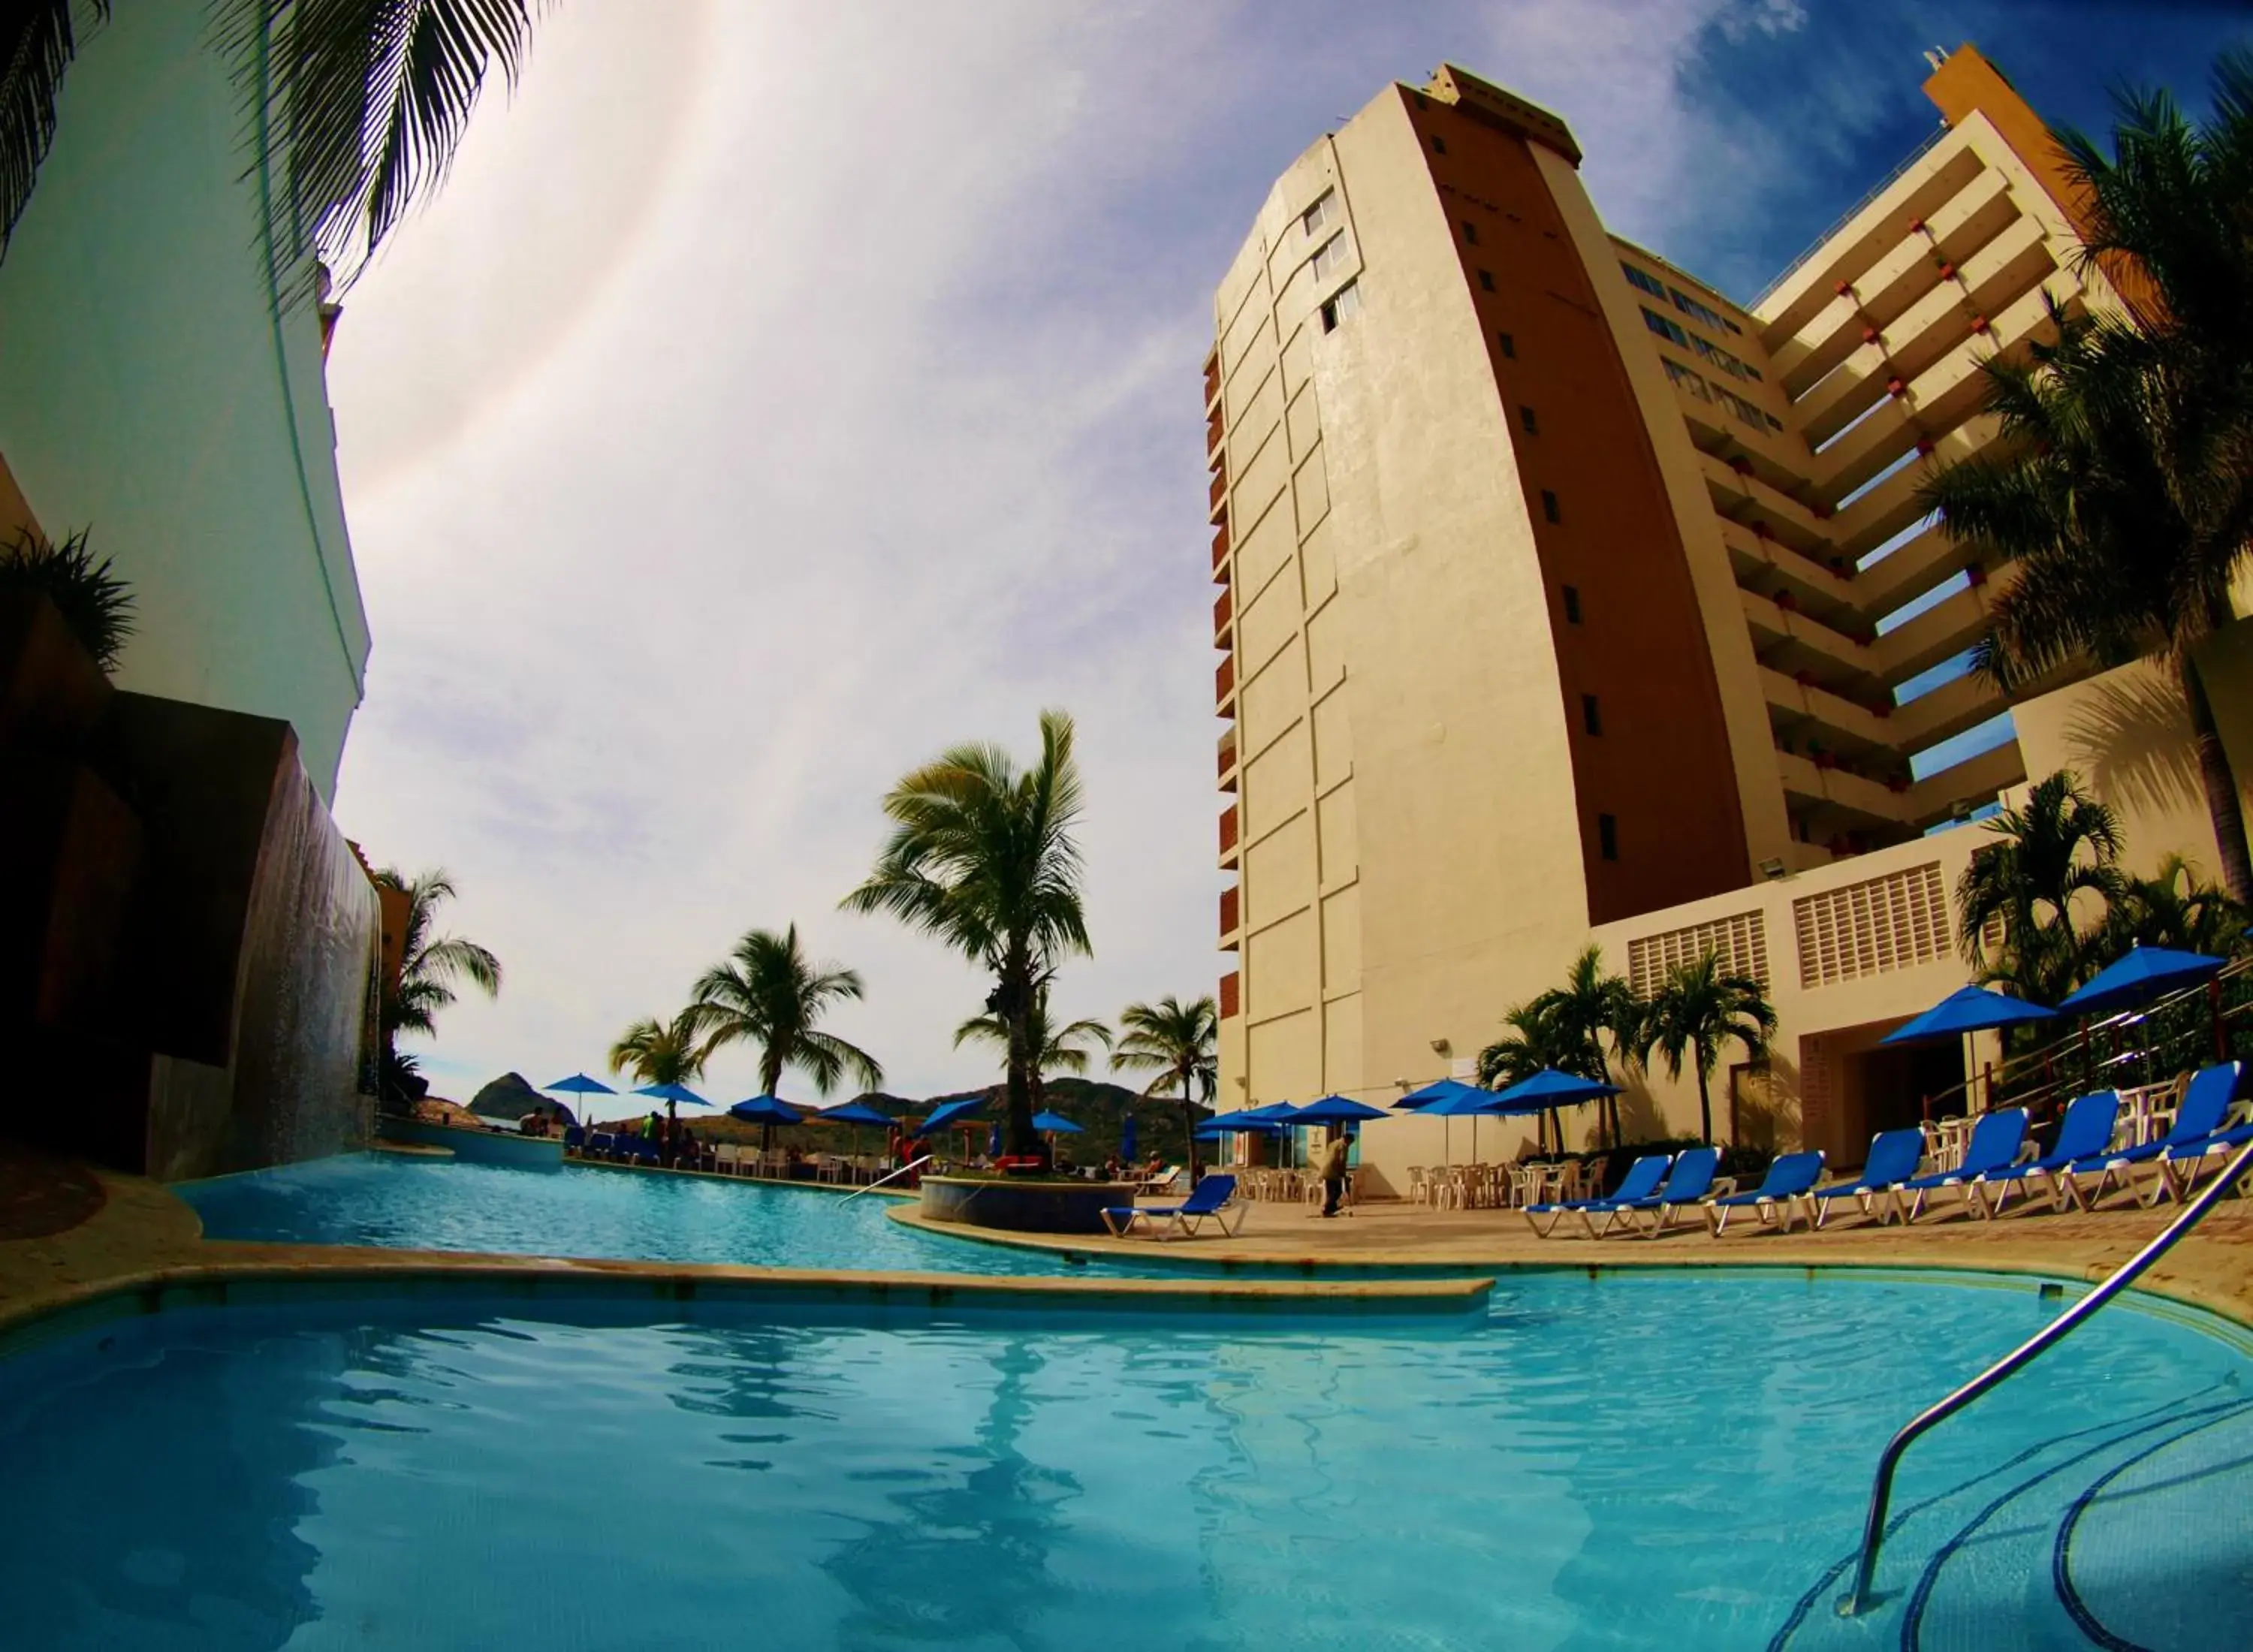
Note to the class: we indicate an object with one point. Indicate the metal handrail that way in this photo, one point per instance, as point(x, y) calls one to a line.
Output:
point(1858, 1599)
point(1848, 215)
point(895, 1176)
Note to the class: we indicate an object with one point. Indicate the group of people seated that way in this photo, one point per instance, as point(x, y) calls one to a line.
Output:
point(2085, 1160)
point(668, 1143)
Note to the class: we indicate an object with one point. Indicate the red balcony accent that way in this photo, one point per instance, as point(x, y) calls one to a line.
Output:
point(1759, 531)
point(1223, 681)
point(1232, 994)
point(1975, 576)
point(1221, 610)
point(1896, 387)
point(1924, 446)
point(1787, 602)
point(1979, 324)
point(1228, 828)
point(1219, 547)
point(1947, 272)
point(1916, 226)
point(1869, 335)
point(1845, 289)
point(1229, 900)
point(1220, 491)
point(1213, 375)
point(1227, 758)
point(1741, 465)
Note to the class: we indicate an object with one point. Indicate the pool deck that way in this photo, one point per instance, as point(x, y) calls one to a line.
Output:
point(2212, 1268)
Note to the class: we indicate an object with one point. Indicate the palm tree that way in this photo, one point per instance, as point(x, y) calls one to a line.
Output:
point(2123, 479)
point(982, 857)
point(768, 994)
point(661, 1052)
point(1701, 1010)
point(1590, 1008)
point(1539, 1036)
point(1180, 1045)
point(2174, 909)
point(432, 968)
point(1051, 1049)
point(2058, 849)
point(356, 105)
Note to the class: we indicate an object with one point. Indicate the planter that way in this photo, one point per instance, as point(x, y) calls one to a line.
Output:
point(1021, 1206)
point(481, 1147)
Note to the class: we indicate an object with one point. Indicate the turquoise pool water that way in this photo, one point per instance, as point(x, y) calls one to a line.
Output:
point(390, 1199)
point(1641, 1460)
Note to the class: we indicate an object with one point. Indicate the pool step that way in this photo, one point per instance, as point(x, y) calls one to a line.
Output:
point(2135, 1535)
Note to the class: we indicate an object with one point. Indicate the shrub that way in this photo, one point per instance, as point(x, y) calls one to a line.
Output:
point(95, 602)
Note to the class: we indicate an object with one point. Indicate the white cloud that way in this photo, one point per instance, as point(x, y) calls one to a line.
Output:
point(775, 398)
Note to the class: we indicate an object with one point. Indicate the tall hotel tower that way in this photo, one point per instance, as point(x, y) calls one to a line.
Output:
point(1557, 587)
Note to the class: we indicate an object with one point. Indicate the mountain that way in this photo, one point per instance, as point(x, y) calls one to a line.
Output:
point(509, 1096)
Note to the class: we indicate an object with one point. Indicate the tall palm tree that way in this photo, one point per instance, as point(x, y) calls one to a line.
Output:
point(2173, 908)
point(1179, 1045)
point(982, 857)
point(1590, 1010)
point(1050, 1048)
point(662, 1052)
point(433, 967)
point(2046, 858)
point(355, 105)
point(1538, 1035)
point(1703, 1009)
point(769, 994)
point(2123, 479)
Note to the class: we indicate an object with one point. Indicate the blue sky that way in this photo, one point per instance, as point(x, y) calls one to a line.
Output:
point(776, 397)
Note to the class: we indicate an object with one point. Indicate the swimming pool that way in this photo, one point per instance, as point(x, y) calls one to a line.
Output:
point(393, 1200)
point(1642, 1459)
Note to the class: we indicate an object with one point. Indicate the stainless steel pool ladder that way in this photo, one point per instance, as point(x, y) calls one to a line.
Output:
point(895, 1176)
point(1859, 1598)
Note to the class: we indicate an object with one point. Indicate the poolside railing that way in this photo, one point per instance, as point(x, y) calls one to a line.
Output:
point(1860, 1598)
point(895, 1176)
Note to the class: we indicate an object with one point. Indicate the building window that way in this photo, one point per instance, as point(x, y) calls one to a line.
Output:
point(1438, 144)
point(1509, 346)
point(1607, 836)
point(1667, 328)
point(1572, 604)
point(1685, 378)
point(1526, 417)
point(1321, 214)
point(1342, 303)
point(1651, 284)
point(1328, 262)
point(1549, 506)
point(1592, 714)
point(1470, 233)
point(1486, 280)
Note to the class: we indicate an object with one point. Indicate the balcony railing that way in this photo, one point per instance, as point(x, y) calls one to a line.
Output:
point(1232, 994)
point(1230, 903)
point(1223, 681)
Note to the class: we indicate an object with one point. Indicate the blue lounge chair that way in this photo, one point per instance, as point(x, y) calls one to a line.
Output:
point(1688, 1184)
point(1640, 1181)
point(599, 1145)
point(1894, 1155)
point(2085, 1131)
point(1998, 1141)
point(1777, 1199)
point(574, 1138)
point(1209, 1200)
point(2200, 1119)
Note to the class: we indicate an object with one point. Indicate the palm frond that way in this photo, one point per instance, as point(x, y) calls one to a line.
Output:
point(39, 38)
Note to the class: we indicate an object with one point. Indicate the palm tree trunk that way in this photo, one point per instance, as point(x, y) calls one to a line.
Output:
point(1705, 1104)
point(2221, 786)
point(1189, 1129)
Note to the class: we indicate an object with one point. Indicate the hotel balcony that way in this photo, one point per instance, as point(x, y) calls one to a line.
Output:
point(1227, 754)
point(1218, 507)
point(1230, 919)
point(1227, 849)
point(1232, 994)
point(1223, 610)
point(1224, 686)
point(1220, 555)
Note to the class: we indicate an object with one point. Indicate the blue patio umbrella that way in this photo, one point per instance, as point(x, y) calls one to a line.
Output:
point(1545, 1092)
point(2144, 974)
point(1052, 1124)
point(853, 1113)
point(580, 1084)
point(1440, 1089)
point(1968, 1009)
point(1274, 1112)
point(1127, 1141)
point(765, 1112)
point(1335, 1110)
point(1229, 1124)
point(949, 1112)
point(674, 1097)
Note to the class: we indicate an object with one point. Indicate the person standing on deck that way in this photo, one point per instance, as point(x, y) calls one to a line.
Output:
point(1334, 1172)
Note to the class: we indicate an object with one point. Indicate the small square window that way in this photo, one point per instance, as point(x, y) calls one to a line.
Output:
point(1592, 714)
point(1509, 346)
point(1549, 506)
point(1342, 303)
point(1532, 425)
point(1470, 233)
point(1572, 604)
point(1607, 836)
point(1486, 280)
point(1438, 144)
point(1322, 213)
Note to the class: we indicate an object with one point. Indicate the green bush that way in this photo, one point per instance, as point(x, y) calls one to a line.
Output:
point(95, 602)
